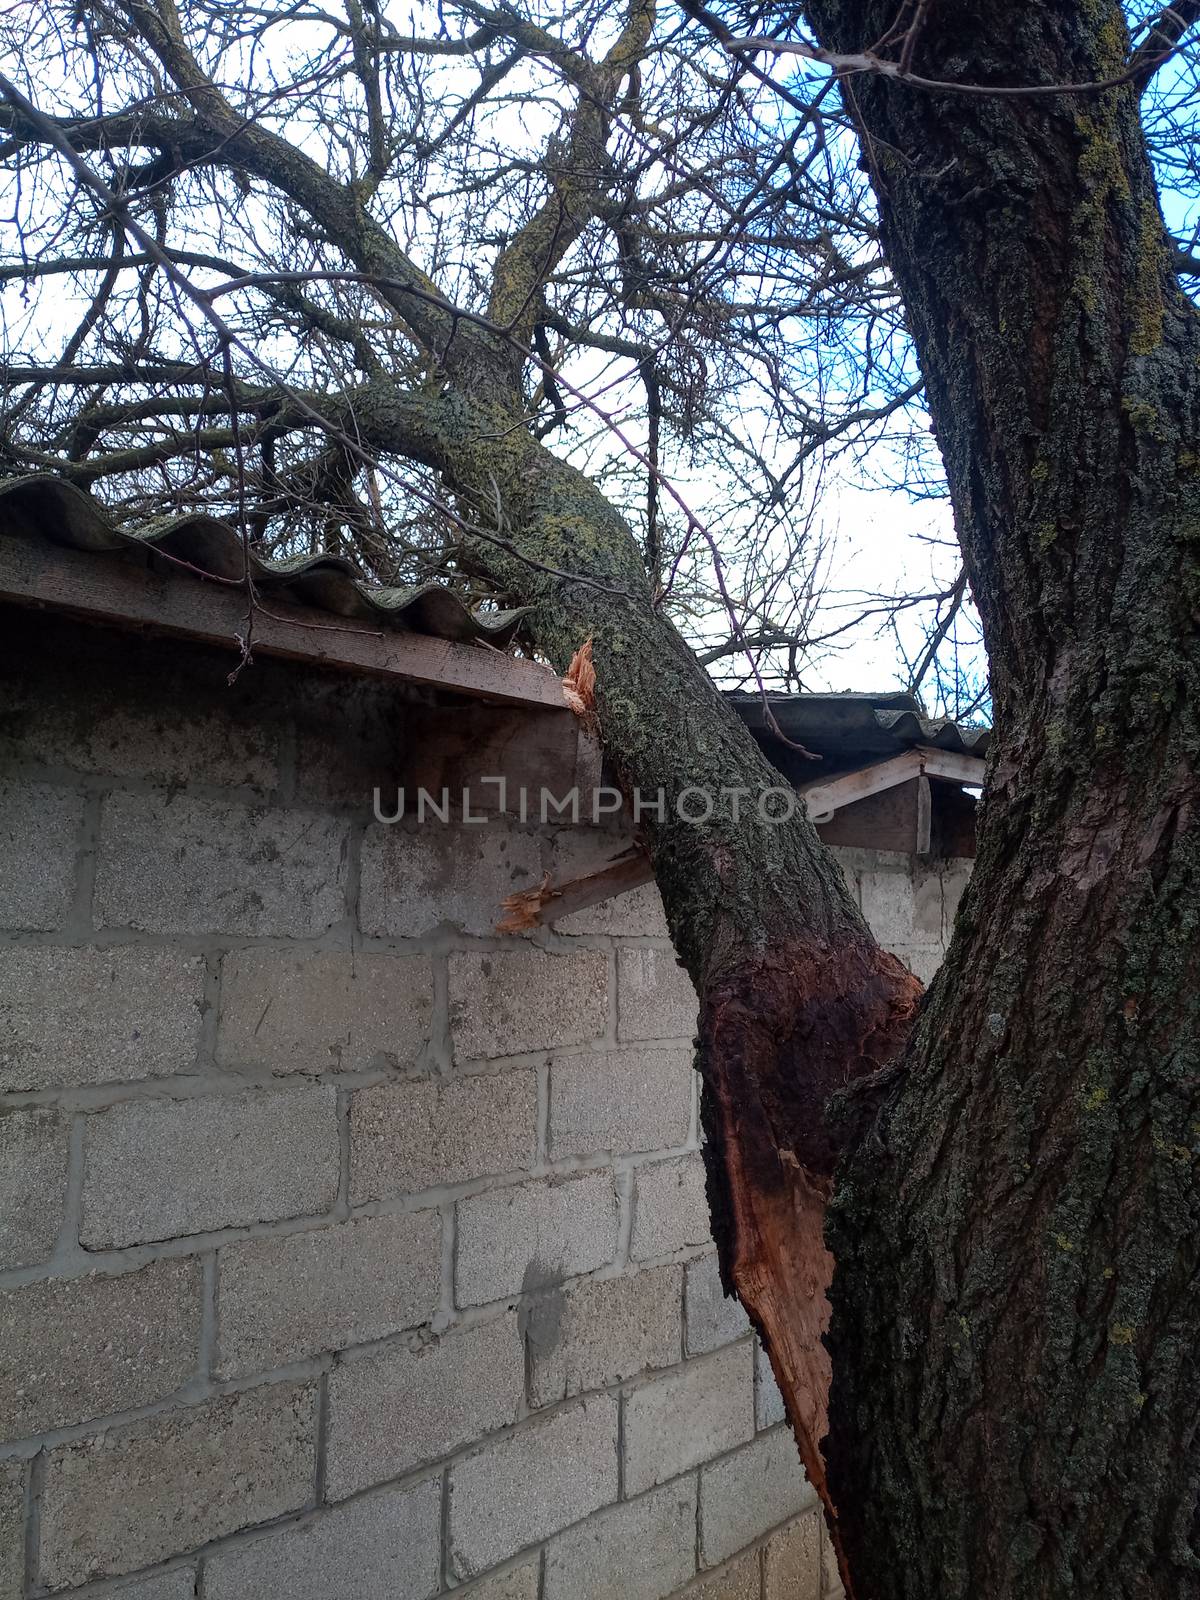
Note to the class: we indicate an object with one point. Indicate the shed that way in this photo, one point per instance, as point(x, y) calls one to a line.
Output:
point(348, 1246)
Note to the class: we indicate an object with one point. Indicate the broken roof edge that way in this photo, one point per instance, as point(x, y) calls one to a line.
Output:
point(45, 507)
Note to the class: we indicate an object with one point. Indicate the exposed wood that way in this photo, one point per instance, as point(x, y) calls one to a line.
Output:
point(126, 593)
point(884, 821)
point(549, 903)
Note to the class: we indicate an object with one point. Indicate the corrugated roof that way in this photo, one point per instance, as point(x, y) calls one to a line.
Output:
point(46, 507)
point(852, 729)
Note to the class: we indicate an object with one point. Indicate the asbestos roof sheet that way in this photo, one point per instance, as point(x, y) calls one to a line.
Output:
point(848, 729)
point(199, 545)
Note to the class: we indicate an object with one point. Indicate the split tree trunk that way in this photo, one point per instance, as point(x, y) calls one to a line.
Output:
point(1017, 1302)
point(797, 1000)
point(1017, 1230)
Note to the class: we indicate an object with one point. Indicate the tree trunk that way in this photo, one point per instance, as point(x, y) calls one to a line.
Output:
point(797, 1000)
point(1016, 1307)
point(1016, 1227)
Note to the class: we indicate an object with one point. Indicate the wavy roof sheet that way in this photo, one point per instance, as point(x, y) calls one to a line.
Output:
point(851, 729)
point(47, 507)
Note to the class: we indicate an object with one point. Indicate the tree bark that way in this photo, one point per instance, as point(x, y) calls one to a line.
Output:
point(797, 1001)
point(1016, 1226)
point(1017, 1234)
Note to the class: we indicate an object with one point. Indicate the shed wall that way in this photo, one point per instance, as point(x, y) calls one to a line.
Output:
point(346, 1248)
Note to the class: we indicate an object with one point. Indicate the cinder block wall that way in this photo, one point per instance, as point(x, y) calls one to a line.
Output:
point(348, 1251)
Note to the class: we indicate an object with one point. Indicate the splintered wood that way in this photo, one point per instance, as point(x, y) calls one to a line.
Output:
point(579, 684)
point(523, 910)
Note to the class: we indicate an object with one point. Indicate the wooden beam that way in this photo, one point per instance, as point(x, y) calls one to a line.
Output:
point(823, 799)
point(125, 593)
point(529, 908)
point(952, 764)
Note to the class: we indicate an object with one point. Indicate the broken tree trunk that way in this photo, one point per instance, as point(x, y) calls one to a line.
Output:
point(797, 1001)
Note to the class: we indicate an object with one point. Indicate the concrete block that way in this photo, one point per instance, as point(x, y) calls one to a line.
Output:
point(39, 841)
point(120, 708)
point(12, 1530)
point(78, 1348)
point(922, 959)
point(284, 1299)
point(531, 1484)
point(163, 1168)
point(768, 1402)
point(749, 1493)
point(929, 919)
point(858, 859)
point(638, 1099)
point(390, 1412)
point(792, 1560)
point(323, 1011)
point(671, 1212)
point(736, 1580)
point(502, 1003)
point(182, 865)
point(409, 1136)
point(636, 913)
point(712, 1318)
point(594, 1334)
point(533, 1235)
point(385, 1546)
point(655, 997)
point(415, 882)
point(887, 904)
point(126, 1498)
point(350, 740)
point(642, 1550)
point(85, 1016)
point(518, 1583)
point(687, 1416)
point(178, 1584)
point(33, 1184)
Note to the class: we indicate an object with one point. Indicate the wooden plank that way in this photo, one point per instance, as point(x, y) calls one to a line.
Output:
point(950, 764)
point(619, 877)
point(126, 593)
point(823, 799)
point(529, 908)
point(884, 821)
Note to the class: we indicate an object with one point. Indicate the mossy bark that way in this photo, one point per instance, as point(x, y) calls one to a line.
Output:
point(1017, 1235)
point(797, 1000)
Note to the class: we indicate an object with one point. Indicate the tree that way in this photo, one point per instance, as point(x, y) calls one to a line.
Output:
point(1012, 1205)
point(1032, 1232)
